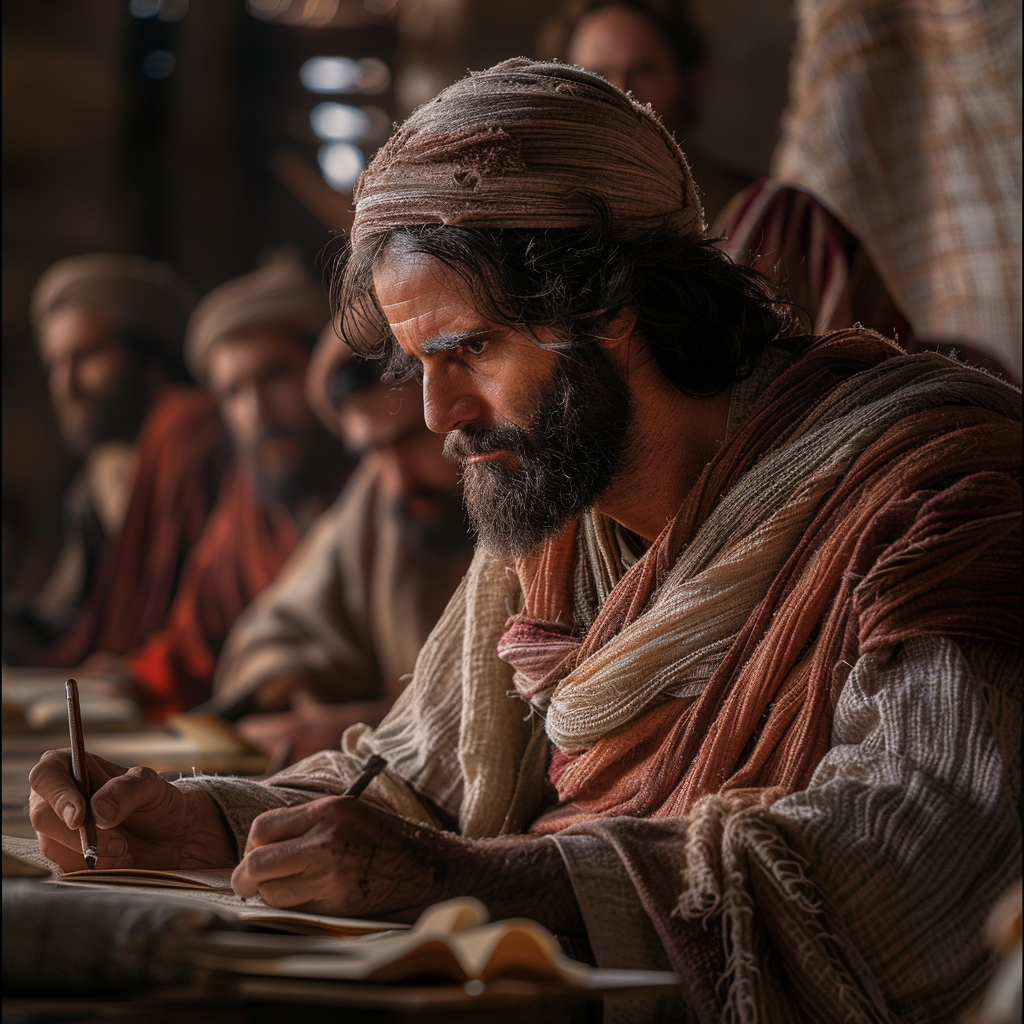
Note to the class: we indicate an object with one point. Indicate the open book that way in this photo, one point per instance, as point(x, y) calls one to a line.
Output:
point(23, 858)
point(451, 942)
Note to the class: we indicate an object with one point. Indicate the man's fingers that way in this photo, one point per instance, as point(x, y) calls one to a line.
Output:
point(69, 859)
point(266, 863)
point(47, 822)
point(112, 850)
point(302, 890)
point(285, 823)
point(51, 779)
point(139, 788)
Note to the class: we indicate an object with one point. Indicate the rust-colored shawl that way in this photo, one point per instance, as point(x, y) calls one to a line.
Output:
point(241, 551)
point(182, 449)
point(881, 514)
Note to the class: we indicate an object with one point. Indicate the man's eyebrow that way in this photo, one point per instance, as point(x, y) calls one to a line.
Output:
point(447, 342)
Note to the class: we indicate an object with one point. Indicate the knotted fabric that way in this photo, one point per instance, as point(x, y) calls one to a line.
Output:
point(530, 144)
point(887, 507)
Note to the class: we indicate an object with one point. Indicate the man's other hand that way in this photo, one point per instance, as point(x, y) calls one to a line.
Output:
point(310, 726)
point(338, 855)
point(142, 820)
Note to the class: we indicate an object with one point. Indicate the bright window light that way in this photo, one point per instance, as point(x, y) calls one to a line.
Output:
point(337, 122)
point(343, 74)
point(158, 64)
point(341, 163)
point(330, 74)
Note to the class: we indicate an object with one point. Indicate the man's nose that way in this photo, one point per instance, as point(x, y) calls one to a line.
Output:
point(447, 404)
point(252, 412)
point(62, 379)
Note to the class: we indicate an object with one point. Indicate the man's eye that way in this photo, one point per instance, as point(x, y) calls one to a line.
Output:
point(474, 346)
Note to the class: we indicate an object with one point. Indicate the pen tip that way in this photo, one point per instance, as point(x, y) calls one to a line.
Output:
point(90, 859)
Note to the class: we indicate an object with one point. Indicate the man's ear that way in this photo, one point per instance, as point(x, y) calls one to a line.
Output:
point(615, 340)
point(617, 332)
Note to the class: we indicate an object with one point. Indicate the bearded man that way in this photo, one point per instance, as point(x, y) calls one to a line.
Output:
point(731, 684)
point(334, 639)
point(110, 329)
point(250, 341)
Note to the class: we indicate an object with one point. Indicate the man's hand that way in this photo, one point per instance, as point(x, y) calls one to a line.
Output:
point(310, 726)
point(337, 855)
point(142, 820)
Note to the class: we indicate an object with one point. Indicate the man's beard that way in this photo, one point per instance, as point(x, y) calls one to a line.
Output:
point(86, 422)
point(440, 537)
point(316, 471)
point(561, 464)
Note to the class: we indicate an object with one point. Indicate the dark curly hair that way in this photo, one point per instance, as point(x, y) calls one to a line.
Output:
point(706, 319)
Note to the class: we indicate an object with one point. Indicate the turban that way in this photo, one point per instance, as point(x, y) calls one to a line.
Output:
point(138, 296)
point(335, 372)
point(530, 144)
point(279, 296)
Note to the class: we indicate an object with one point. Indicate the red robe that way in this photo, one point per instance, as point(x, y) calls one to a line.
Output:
point(242, 549)
point(182, 449)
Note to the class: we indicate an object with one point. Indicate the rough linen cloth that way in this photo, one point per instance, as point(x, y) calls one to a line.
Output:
point(770, 900)
point(905, 121)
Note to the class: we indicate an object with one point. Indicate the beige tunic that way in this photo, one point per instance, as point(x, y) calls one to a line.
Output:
point(350, 610)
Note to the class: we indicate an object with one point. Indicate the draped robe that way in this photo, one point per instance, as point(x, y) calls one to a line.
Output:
point(182, 449)
point(242, 549)
point(779, 752)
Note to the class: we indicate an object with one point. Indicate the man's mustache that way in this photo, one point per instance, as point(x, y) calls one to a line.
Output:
point(460, 444)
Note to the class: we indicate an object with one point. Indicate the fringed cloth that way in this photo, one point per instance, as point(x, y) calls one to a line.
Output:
point(530, 144)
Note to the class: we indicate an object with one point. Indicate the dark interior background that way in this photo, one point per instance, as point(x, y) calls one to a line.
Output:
point(181, 131)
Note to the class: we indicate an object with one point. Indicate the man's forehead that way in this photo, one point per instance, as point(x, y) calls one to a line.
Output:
point(426, 304)
point(72, 327)
point(246, 353)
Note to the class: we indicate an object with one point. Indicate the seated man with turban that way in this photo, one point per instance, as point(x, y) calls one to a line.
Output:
point(110, 330)
point(334, 639)
point(249, 341)
point(732, 684)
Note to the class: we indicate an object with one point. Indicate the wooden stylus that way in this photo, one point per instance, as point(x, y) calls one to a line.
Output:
point(80, 770)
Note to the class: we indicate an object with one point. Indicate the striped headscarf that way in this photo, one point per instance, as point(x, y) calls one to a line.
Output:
point(530, 144)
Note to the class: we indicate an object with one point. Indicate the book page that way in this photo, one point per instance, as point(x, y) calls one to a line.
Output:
point(212, 885)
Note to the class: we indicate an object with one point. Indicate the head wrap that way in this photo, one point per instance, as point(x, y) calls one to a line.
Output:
point(280, 295)
point(335, 372)
point(530, 144)
point(137, 295)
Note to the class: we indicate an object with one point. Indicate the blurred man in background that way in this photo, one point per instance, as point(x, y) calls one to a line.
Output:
point(333, 640)
point(652, 50)
point(249, 341)
point(109, 329)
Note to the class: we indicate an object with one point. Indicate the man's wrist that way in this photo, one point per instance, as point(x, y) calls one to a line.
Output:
point(209, 841)
point(514, 876)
